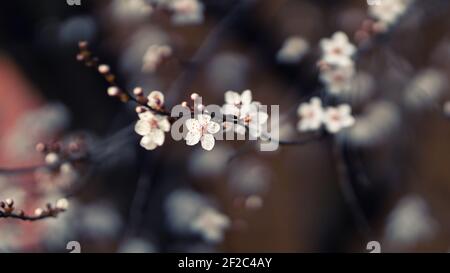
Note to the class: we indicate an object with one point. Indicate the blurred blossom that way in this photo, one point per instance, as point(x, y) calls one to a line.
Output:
point(293, 50)
point(254, 202)
point(182, 206)
point(249, 177)
point(211, 163)
point(379, 120)
point(447, 109)
point(35, 126)
point(153, 57)
point(130, 10)
point(79, 28)
point(425, 88)
point(136, 245)
point(410, 222)
point(49, 180)
point(387, 12)
point(187, 11)
point(228, 71)
point(131, 59)
point(211, 225)
point(189, 213)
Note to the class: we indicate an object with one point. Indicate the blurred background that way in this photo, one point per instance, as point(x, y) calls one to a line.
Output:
point(393, 168)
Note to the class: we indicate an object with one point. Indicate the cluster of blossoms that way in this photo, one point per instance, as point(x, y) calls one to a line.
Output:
point(337, 66)
point(387, 12)
point(313, 116)
point(249, 114)
point(293, 50)
point(154, 56)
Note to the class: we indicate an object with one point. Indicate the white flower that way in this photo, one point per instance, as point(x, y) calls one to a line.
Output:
point(187, 12)
point(253, 118)
point(201, 130)
point(211, 225)
point(293, 50)
point(338, 79)
point(234, 102)
point(311, 115)
point(388, 11)
point(156, 100)
point(338, 118)
point(153, 57)
point(338, 50)
point(152, 127)
point(247, 111)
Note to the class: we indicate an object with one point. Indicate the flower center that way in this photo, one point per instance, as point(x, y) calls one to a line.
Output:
point(337, 50)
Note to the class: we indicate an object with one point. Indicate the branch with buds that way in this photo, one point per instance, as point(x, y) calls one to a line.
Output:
point(7, 210)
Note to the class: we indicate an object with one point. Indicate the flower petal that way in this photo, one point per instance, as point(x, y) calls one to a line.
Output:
point(157, 136)
point(230, 109)
point(147, 115)
point(213, 127)
point(246, 97)
point(232, 97)
point(208, 142)
point(193, 137)
point(163, 123)
point(142, 127)
point(148, 143)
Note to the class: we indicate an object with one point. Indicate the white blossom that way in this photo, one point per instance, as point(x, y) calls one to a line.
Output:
point(311, 115)
point(201, 130)
point(338, 50)
point(293, 50)
point(337, 65)
point(152, 128)
point(246, 110)
point(387, 12)
point(155, 100)
point(338, 118)
point(211, 225)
